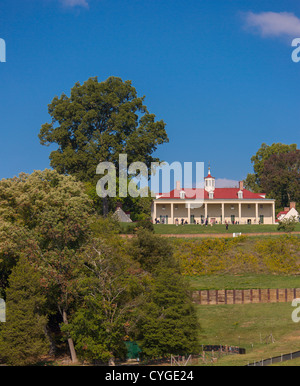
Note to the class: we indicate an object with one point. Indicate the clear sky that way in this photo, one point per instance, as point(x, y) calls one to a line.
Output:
point(218, 72)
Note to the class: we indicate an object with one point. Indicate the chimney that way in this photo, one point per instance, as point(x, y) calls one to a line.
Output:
point(292, 205)
point(177, 185)
point(241, 185)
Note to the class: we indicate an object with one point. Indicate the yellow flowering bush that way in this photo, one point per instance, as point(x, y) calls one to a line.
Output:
point(238, 255)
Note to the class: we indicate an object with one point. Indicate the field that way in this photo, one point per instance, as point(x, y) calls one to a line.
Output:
point(249, 326)
point(245, 325)
point(217, 229)
point(243, 281)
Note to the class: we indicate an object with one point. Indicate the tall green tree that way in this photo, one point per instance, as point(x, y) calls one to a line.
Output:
point(54, 211)
point(15, 241)
point(109, 289)
point(280, 177)
point(166, 321)
point(169, 322)
point(96, 123)
point(253, 180)
point(22, 336)
point(111, 283)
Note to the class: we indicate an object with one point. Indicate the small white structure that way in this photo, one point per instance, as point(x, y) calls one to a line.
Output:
point(289, 213)
point(121, 216)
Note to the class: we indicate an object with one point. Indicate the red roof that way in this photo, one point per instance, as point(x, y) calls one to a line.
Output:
point(219, 193)
point(283, 212)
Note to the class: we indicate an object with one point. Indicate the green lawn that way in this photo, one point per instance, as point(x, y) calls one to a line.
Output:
point(248, 326)
point(246, 281)
point(217, 228)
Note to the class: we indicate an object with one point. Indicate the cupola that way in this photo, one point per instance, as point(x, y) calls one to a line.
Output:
point(209, 182)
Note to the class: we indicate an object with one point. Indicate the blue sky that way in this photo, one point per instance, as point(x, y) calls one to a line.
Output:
point(218, 72)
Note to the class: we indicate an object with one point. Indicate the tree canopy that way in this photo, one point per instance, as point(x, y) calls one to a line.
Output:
point(102, 290)
point(276, 173)
point(48, 216)
point(96, 123)
point(280, 177)
point(253, 180)
point(22, 338)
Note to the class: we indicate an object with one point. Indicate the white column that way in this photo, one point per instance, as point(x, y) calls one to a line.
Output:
point(240, 212)
point(205, 211)
point(223, 213)
point(189, 213)
point(154, 211)
point(273, 210)
point(172, 213)
point(256, 213)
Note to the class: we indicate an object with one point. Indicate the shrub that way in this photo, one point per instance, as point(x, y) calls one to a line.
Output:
point(287, 225)
point(145, 224)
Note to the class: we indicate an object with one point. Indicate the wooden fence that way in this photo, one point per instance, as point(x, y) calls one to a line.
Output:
point(245, 296)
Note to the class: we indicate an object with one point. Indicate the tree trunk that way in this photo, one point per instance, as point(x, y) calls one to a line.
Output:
point(70, 340)
point(52, 349)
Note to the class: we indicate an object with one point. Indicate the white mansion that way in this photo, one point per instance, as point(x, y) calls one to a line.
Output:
point(217, 205)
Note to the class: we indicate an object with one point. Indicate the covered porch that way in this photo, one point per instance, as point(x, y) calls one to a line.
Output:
point(237, 212)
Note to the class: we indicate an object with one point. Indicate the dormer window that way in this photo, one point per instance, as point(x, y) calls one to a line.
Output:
point(240, 194)
point(182, 195)
point(211, 195)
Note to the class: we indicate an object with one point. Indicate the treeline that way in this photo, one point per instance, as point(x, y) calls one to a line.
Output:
point(70, 282)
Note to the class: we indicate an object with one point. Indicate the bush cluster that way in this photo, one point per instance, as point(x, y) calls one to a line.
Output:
point(238, 255)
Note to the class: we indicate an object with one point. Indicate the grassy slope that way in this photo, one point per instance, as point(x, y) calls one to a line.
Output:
point(216, 229)
point(244, 325)
point(247, 326)
point(245, 281)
